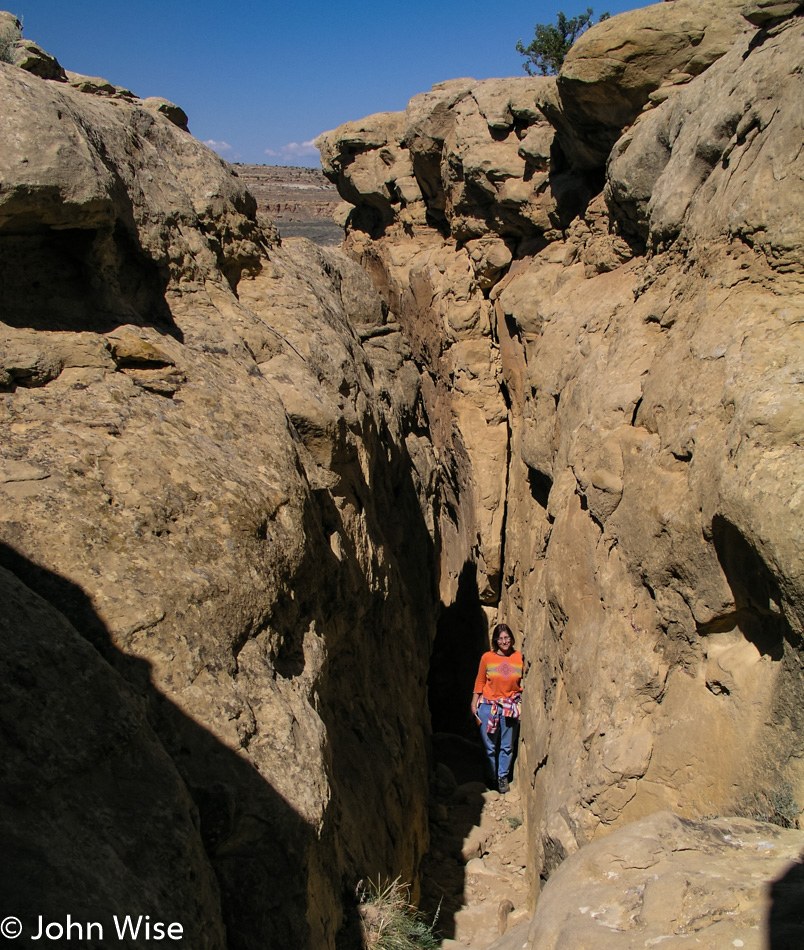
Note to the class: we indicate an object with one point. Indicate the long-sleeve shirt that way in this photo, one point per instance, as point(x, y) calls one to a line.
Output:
point(499, 677)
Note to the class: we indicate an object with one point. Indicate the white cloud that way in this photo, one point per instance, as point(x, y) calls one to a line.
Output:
point(218, 146)
point(293, 150)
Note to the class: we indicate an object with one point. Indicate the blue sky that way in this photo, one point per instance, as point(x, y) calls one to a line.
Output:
point(262, 79)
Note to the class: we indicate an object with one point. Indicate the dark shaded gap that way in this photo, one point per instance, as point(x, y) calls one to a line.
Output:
point(585, 507)
point(572, 188)
point(499, 134)
point(513, 328)
point(757, 598)
point(456, 799)
point(93, 279)
point(757, 40)
point(540, 487)
point(461, 639)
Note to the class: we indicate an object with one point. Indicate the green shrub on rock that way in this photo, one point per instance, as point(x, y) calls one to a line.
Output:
point(551, 43)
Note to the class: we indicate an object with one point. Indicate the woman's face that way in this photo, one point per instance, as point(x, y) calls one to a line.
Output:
point(505, 644)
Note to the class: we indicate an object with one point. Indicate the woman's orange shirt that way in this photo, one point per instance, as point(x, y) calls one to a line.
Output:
point(499, 677)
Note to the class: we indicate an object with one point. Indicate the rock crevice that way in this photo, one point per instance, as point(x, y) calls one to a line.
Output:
point(263, 500)
point(625, 303)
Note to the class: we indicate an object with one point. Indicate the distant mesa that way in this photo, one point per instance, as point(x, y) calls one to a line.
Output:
point(300, 201)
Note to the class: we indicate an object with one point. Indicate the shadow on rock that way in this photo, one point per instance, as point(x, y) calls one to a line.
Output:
point(94, 279)
point(456, 794)
point(115, 803)
point(786, 917)
point(461, 639)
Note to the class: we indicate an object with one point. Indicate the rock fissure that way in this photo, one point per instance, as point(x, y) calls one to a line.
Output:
point(679, 599)
point(325, 475)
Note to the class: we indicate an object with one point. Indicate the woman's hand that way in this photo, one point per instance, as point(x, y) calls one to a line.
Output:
point(473, 705)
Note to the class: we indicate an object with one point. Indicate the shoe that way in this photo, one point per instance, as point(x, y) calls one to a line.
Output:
point(503, 786)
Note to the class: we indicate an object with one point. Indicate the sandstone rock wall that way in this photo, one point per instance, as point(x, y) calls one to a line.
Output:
point(665, 880)
point(218, 512)
point(608, 293)
point(243, 496)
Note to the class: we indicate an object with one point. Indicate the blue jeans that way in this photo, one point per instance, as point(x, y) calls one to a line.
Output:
point(499, 746)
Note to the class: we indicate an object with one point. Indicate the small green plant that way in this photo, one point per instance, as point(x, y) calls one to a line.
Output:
point(390, 922)
point(551, 43)
point(10, 33)
point(514, 822)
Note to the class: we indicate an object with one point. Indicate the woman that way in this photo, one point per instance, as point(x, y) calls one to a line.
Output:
point(495, 703)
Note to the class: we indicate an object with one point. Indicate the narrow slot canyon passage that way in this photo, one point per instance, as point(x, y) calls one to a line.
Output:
point(474, 876)
point(263, 501)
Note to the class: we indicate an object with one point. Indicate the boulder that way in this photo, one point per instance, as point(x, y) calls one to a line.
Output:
point(765, 13)
point(97, 86)
point(75, 190)
point(690, 167)
point(365, 160)
point(33, 59)
point(612, 69)
point(473, 155)
point(726, 882)
point(175, 113)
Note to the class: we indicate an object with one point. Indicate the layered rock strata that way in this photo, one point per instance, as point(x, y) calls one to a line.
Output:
point(299, 201)
point(608, 295)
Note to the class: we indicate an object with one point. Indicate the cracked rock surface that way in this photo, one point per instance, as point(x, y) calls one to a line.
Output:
point(644, 346)
point(665, 881)
point(260, 502)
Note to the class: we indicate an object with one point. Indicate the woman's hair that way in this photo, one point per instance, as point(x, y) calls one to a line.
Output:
point(495, 635)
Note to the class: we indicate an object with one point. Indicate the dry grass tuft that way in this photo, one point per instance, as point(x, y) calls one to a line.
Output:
point(389, 921)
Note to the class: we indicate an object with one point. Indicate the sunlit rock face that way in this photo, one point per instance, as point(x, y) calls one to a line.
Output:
point(616, 359)
point(260, 501)
point(722, 882)
point(218, 527)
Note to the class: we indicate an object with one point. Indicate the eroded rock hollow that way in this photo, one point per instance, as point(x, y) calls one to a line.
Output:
point(260, 500)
